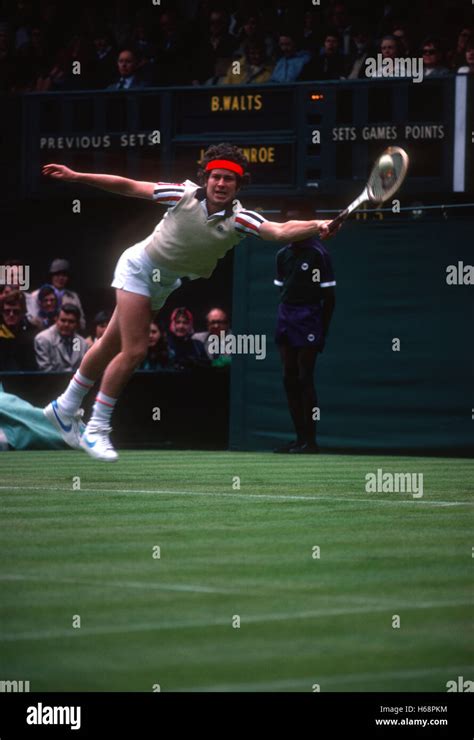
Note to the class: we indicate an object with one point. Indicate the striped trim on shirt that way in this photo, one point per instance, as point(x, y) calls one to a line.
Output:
point(247, 223)
point(168, 193)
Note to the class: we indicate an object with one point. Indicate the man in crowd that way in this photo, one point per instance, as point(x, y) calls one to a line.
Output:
point(127, 66)
point(329, 65)
point(292, 60)
point(217, 322)
point(16, 335)
point(433, 59)
point(60, 348)
point(59, 277)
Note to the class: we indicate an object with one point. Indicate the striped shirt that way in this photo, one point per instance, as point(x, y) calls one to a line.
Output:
point(247, 223)
point(190, 241)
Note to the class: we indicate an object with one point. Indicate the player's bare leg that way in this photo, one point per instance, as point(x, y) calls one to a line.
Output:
point(103, 351)
point(133, 315)
point(64, 413)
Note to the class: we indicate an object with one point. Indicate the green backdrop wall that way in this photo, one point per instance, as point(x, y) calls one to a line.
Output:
point(391, 283)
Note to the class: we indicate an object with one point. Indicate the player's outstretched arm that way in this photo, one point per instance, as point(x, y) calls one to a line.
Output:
point(294, 231)
point(111, 183)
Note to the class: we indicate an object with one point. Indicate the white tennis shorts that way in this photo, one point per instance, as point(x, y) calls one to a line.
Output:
point(136, 273)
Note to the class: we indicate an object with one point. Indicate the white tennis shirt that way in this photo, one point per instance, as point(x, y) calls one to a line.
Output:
point(188, 241)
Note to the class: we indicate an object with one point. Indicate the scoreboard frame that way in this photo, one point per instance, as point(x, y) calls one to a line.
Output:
point(305, 137)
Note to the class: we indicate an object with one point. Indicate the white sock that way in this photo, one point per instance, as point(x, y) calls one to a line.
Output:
point(103, 409)
point(71, 399)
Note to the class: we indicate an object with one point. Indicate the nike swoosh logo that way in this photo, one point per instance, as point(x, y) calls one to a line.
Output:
point(89, 444)
point(64, 427)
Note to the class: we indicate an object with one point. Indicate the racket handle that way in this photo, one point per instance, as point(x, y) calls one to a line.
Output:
point(336, 222)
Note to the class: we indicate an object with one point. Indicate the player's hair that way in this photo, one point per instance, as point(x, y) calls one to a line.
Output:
point(224, 151)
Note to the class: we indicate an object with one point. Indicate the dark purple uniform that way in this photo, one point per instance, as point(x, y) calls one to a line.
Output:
point(304, 272)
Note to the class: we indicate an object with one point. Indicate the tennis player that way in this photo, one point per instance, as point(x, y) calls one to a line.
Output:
point(202, 223)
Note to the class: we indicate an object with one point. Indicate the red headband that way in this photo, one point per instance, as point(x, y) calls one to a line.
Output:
point(224, 164)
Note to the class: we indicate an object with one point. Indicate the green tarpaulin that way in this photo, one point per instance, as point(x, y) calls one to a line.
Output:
point(25, 427)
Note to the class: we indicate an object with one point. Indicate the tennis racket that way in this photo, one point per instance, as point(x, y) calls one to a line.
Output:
point(386, 177)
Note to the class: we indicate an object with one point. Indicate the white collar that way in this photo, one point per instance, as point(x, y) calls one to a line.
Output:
point(204, 206)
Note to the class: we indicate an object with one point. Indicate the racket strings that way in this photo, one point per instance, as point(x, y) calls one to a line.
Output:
point(387, 176)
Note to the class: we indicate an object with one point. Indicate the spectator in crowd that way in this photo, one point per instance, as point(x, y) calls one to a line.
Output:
point(400, 31)
point(217, 322)
point(104, 63)
point(390, 47)
point(120, 22)
point(127, 66)
point(34, 59)
point(185, 352)
point(279, 14)
point(59, 277)
point(312, 31)
point(60, 348)
point(339, 22)
point(43, 308)
point(329, 65)
point(433, 59)
point(16, 335)
point(252, 69)
point(363, 50)
point(8, 292)
point(52, 19)
point(468, 68)
point(173, 56)
point(292, 61)
point(157, 354)
point(22, 20)
point(146, 52)
point(252, 32)
point(143, 45)
point(63, 74)
point(200, 22)
point(8, 63)
point(14, 276)
point(383, 20)
point(456, 57)
point(99, 325)
point(215, 53)
point(238, 17)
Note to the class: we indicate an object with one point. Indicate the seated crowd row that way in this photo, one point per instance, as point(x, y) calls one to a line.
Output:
point(43, 330)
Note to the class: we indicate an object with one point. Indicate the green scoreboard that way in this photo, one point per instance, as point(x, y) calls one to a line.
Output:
point(299, 139)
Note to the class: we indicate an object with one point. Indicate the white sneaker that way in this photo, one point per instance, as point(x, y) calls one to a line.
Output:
point(96, 442)
point(69, 426)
